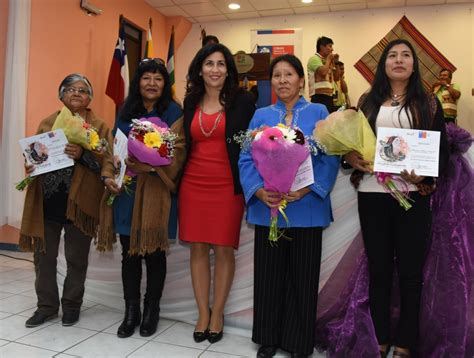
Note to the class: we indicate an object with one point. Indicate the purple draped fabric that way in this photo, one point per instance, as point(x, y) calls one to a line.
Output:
point(345, 329)
point(447, 311)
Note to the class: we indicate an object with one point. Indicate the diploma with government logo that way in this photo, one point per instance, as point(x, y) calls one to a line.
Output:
point(411, 149)
point(46, 151)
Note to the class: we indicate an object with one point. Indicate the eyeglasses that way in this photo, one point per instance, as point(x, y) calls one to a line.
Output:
point(158, 61)
point(81, 91)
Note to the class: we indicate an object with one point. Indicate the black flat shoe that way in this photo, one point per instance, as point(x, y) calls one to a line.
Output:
point(39, 318)
point(200, 336)
point(266, 351)
point(70, 318)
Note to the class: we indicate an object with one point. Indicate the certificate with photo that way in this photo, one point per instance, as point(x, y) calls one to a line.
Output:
point(46, 152)
point(120, 153)
point(411, 149)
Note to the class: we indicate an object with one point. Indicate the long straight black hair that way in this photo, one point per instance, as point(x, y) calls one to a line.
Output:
point(416, 103)
point(133, 106)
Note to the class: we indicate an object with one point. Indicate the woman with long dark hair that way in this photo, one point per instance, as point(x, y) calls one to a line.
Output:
point(211, 203)
point(392, 236)
point(141, 215)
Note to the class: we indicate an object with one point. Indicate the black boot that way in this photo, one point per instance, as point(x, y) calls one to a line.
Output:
point(151, 316)
point(131, 319)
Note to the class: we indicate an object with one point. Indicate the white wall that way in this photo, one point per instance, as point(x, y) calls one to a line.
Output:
point(449, 27)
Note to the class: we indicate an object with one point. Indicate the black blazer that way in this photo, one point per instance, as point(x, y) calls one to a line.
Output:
point(237, 118)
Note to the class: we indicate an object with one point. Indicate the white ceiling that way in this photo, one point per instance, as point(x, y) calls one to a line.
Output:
point(200, 11)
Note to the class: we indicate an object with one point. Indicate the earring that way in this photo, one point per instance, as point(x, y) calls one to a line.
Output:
point(200, 74)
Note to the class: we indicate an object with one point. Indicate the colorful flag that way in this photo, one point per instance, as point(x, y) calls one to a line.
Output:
point(118, 81)
point(170, 63)
point(149, 53)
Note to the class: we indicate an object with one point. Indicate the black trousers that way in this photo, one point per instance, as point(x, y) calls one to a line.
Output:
point(395, 237)
point(132, 273)
point(76, 251)
point(286, 278)
point(324, 99)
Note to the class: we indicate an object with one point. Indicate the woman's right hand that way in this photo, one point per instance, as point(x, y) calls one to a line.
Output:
point(29, 168)
point(269, 198)
point(357, 162)
point(112, 185)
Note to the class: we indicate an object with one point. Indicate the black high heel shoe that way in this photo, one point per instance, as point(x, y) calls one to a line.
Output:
point(214, 337)
point(201, 336)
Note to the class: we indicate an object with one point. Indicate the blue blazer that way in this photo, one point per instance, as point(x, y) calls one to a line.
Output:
point(314, 209)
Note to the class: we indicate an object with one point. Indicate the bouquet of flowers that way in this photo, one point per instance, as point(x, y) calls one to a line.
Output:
point(150, 141)
point(346, 131)
point(78, 132)
point(277, 153)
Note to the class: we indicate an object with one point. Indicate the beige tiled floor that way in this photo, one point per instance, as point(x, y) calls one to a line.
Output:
point(95, 334)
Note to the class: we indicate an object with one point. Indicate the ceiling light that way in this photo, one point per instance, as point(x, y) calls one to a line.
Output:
point(235, 6)
point(306, 1)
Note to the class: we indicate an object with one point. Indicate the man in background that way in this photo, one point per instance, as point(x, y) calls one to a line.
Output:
point(448, 94)
point(320, 73)
point(340, 94)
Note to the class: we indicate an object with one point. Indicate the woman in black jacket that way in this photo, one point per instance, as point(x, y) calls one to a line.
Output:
point(211, 203)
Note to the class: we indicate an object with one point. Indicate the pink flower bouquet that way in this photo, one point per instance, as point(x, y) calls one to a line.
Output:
point(151, 141)
point(277, 153)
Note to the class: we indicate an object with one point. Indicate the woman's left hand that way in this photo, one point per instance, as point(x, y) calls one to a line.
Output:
point(296, 195)
point(73, 151)
point(136, 166)
point(411, 177)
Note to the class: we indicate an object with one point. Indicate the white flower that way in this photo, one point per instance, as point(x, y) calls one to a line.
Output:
point(288, 133)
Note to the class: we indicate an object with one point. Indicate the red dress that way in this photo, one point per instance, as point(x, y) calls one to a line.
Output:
point(209, 212)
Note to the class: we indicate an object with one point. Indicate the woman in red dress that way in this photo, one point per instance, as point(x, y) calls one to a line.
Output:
point(211, 203)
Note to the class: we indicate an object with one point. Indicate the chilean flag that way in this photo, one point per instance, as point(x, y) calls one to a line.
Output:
point(117, 84)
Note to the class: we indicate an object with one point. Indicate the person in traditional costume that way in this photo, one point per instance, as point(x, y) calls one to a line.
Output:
point(66, 199)
point(141, 214)
point(286, 273)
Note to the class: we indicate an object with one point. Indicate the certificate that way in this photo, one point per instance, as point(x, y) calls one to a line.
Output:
point(45, 152)
point(411, 149)
point(120, 153)
point(304, 175)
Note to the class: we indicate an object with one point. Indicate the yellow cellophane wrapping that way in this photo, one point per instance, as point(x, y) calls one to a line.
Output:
point(72, 127)
point(345, 131)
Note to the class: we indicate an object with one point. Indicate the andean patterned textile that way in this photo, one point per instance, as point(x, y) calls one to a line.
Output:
point(430, 59)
